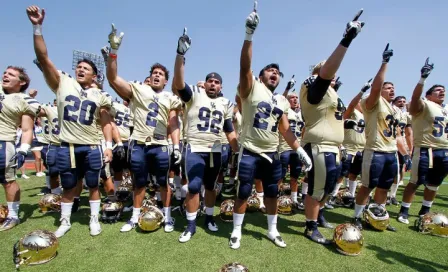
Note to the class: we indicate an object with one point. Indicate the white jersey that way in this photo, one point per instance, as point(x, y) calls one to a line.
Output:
point(52, 122)
point(296, 124)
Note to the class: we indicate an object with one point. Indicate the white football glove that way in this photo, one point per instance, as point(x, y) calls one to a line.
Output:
point(177, 155)
point(303, 157)
point(252, 22)
point(184, 43)
point(114, 40)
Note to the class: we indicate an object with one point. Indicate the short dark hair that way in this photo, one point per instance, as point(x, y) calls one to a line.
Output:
point(388, 82)
point(89, 62)
point(161, 67)
point(429, 92)
point(398, 98)
point(269, 66)
point(23, 76)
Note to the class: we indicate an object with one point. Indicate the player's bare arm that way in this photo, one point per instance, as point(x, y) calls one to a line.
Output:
point(118, 84)
point(51, 74)
point(173, 128)
point(238, 104)
point(416, 105)
point(351, 107)
point(233, 141)
point(378, 81)
point(115, 133)
point(246, 78)
point(409, 135)
point(183, 45)
point(106, 126)
point(27, 123)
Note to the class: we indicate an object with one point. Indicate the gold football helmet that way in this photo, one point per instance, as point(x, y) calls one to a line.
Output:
point(36, 247)
point(284, 205)
point(253, 203)
point(125, 189)
point(285, 189)
point(226, 210)
point(234, 267)
point(147, 202)
point(433, 223)
point(151, 219)
point(376, 216)
point(3, 212)
point(344, 199)
point(49, 203)
point(348, 239)
point(111, 212)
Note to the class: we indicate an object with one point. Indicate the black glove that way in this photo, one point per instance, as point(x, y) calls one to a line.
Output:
point(387, 54)
point(427, 69)
point(408, 162)
point(121, 153)
point(105, 50)
point(19, 158)
point(350, 124)
point(337, 84)
point(183, 43)
point(366, 86)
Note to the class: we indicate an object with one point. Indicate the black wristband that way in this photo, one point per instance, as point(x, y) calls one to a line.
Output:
point(345, 42)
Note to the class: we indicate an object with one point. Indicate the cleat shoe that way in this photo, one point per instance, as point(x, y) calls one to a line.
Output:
point(234, 242)
point(328, 205)
point(321, 221)
point(63, 228)
point(388, 201)
point(9, 223)
point(128, 226)
point(277, 239)
point(169, 226)
point(423, 210)
point(128, 209)
point(44, 191)
point(95, 227)
point(332, 200)
point(390, 228)
point(394, 201)
point(211, 224)
point(298, 205)
point(315, 236)
point(357, 222)
point(188, 233)
point(403, 218)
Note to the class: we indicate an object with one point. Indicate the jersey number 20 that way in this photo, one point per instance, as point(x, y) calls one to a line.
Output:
point(86, 113)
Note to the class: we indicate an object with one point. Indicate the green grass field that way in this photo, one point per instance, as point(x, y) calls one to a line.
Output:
point(405, 250)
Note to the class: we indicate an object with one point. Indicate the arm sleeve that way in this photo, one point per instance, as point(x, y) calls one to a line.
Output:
point(228, 126)
point(186, 93)
point(317, 90)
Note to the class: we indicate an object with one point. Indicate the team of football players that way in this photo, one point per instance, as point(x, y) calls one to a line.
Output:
point(194, 126)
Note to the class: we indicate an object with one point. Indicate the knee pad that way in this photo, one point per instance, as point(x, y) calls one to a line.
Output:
point(244, 191)
point(271, 190)
point(194, 187)
point(432, 188)
point(68, 179)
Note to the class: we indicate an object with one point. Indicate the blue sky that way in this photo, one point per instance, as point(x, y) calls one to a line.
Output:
point(294, 34)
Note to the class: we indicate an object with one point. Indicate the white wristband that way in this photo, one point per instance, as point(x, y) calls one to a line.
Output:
point(176, 146)
point(422, 81)
point(109, 145)
point(120, 144)
point(24, 147)
point(113, 51)
point(248, 37)
point(37, 30)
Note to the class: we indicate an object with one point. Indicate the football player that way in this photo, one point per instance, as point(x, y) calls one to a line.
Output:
point(430, 160)
point(354, 141)
point(80, 108)
point(404, 135)
point(288, 157)
point(50, 114)
point(263, 117)
point(16, 108)
point(322, 111)
point(154, 110)
point(207, 116)
point(379, 165)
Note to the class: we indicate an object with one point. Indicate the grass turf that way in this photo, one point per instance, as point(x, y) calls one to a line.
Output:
point(405, 250)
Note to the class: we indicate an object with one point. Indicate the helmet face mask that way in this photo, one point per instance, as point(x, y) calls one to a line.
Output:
point(226, 210)
point(36, 247)
point(377, 217)
point(112, 212)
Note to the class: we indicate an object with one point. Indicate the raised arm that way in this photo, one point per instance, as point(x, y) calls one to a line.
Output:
point(289, 86)
point(416, 105)
point(118, 84)
point(246, 79)
point(178, 85)
point(49, 70)
point(378, 81)
point(320, 86)
point(351, 107)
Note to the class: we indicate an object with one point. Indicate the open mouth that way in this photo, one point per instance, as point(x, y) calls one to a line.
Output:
point(273, 79)
point(5, 80)
point(156, 81)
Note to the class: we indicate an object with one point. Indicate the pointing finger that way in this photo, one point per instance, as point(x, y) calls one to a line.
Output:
point(114, 30)
point(255, 6)
point(185, 31)
point(358, 15)
point(370, 80)
point(387, 47)
point(427, 61)
point(292, 76)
